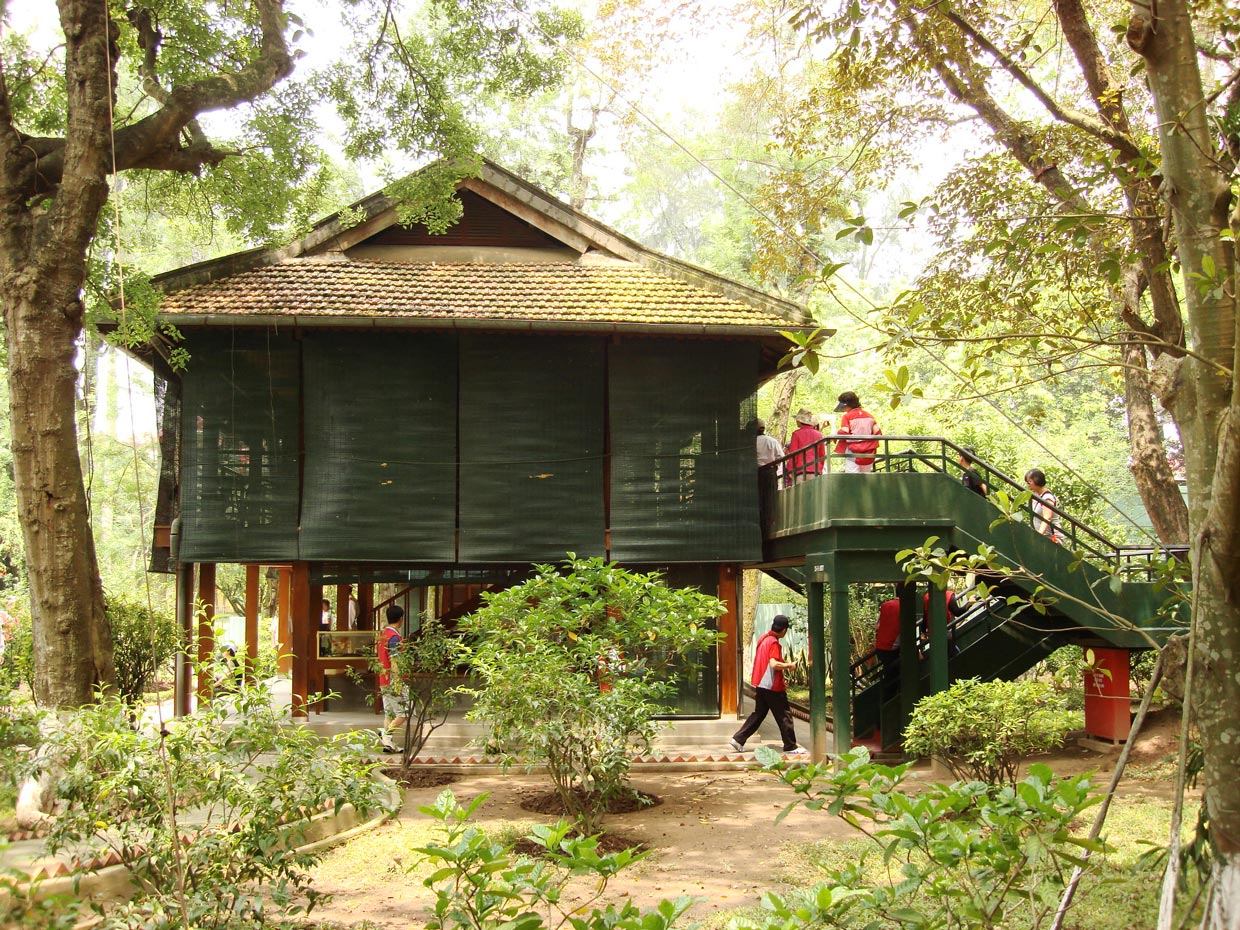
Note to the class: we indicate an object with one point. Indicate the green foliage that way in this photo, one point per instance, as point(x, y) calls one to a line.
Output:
point(422, 668)
point(17, 669)
point(982, 730)
point(19, 737)
point(482, 884)
point(599, 648)
point(12, 549)
point(143, 642)
point(964, 855)
point(206, 812)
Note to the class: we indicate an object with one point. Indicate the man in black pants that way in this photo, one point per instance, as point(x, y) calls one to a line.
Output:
point(772, 693)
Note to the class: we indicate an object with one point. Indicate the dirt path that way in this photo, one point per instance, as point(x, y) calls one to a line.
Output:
point(714, 837)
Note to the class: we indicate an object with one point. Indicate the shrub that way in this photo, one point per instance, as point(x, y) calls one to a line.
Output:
point(981, 730)
point(143, 642)
point(17, 670)
point(423, 664)
point(205, 812)
point(961, 856)
point(573, 666)
point(483, 884)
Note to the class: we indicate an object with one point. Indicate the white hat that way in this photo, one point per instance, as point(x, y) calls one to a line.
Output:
point(805, 417)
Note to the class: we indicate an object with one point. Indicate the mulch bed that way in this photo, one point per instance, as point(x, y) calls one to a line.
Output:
point(548, 802)
point(419, 778)
point(607, 843)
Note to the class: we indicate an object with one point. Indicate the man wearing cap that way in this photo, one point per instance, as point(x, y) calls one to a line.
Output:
point(856, 422)
point(806, 437)
point(772, 693)
point(769, 448)
point(395, 694)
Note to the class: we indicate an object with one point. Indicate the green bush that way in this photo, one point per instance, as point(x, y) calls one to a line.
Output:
point(981, 730)
point(573, 666)
point(481, 884)
point(206, 812)
point(17, 670)
point(143, 643)
point(423, 666)
point(959, 856)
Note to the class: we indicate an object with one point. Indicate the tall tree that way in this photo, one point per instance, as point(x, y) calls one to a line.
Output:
point(1060, 197)
point(121, 92)
point(1106, 179)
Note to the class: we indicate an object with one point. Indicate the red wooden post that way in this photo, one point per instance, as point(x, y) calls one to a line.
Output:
point(305, 616)
point(251, 620)
point(726, 651)
point(284, 621)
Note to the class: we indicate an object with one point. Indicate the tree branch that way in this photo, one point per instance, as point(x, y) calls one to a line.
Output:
point(1117, 140)
point(154, 142)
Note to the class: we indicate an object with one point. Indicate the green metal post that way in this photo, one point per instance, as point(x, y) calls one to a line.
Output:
point(841, 661)
point(938, 640)
point(817, 671)
point(910, 664)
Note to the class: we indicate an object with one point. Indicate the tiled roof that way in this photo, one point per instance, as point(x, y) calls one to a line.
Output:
point(538, 292)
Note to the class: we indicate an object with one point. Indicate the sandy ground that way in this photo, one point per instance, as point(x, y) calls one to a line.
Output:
point(714, 837)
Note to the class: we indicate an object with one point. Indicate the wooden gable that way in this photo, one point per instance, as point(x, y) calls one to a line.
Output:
point(482, 224)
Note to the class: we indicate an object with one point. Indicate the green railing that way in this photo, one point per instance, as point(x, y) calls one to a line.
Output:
point(905, 454)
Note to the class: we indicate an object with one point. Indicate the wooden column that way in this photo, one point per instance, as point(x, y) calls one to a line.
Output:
point(937, 621)
point(184, 677)
point(816, 634)
point(314, 674)
point(284, 621)
point(910, 657)
point(206, 627)
point(251, 619)
point(841, 663)
point(304, 613)
point(366, 604)
point(729, 626)
point(342, 606)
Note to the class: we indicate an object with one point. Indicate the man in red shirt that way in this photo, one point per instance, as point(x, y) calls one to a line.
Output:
point(856, 422)
point(772, 693)
point(887, 633)
point(395, 701)
point(806, 437)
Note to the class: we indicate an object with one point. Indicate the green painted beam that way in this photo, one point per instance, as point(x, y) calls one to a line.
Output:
point(817, 671)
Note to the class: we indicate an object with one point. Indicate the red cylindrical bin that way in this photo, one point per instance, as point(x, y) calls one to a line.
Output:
point(1107, 695)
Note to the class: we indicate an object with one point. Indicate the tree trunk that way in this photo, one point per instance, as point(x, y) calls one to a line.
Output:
point(1205, 399)
point(72, 638)
point(781, 401)
point(1150, 468)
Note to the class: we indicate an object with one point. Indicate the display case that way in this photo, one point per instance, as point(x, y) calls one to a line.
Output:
point(347, 644)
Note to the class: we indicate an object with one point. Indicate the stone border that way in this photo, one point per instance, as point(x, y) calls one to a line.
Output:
point(114, 883)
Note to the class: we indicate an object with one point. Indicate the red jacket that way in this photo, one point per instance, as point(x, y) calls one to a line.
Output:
point(887, 634)
point(768, 648)
point(857, 422)
point(811, 461)
point(389, 642)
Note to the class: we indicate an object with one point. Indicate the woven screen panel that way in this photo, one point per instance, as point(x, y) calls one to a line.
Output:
point(168, 426)
point(532, 429)
point(380, 428)
point(239, 450)
point(683, 474)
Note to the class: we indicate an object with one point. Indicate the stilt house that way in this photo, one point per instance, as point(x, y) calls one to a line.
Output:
point(374, 404)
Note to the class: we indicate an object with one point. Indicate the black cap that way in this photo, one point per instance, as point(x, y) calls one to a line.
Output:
point(847, 401)
point(779, 624)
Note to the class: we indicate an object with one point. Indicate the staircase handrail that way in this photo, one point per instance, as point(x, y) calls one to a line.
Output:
point(1081, 537)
